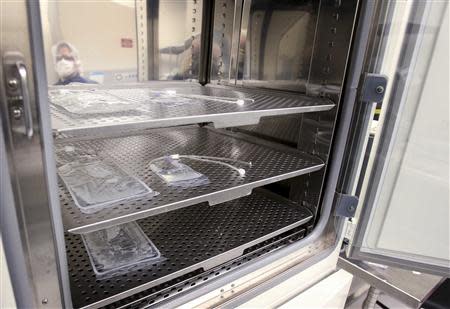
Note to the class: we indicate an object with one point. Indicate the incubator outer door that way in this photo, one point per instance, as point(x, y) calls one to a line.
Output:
point(30, 218)
point(403, 213)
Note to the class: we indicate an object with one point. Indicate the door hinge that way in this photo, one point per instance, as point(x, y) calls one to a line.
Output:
point(374, 88)
point(345, 205)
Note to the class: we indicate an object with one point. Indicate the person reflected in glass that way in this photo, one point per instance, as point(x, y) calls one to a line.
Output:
point(68, 65)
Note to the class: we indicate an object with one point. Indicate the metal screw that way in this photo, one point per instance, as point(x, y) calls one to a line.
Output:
point(44, 301)
point(379, 89)
point(17, 113)
point(351, 208)
point(12, 83)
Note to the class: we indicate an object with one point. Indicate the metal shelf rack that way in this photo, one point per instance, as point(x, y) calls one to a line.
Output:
point(134, 152)
point(145, 112)
point(187, 245)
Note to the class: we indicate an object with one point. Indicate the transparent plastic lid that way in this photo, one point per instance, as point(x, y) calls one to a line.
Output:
point(175, 173)
point(90, 102)
point(168, 98)
point(119, 249)
point(95, 184)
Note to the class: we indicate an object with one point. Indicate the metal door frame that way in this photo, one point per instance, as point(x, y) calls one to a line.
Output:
point(32, 229)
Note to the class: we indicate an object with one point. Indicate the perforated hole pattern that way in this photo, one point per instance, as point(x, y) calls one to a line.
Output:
point(133, 153)
point(157, 294)
point(185, 237)
point(281, 128)
point(263, 101)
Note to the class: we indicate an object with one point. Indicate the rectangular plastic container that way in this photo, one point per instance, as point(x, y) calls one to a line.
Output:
point(119, 249)
point(176, 174)
point(85, 102)
point(95, 184)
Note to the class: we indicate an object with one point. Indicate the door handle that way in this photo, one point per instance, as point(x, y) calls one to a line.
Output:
point(28, 117)
point(18, 99)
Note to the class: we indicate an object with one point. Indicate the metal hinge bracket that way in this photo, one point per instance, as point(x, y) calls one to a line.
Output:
point(374, 88)
point(345, 205)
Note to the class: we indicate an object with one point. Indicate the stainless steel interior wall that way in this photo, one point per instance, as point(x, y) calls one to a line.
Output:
point(264, 43)
point(224, 21)
point(277, 44)
point(173, 39)
point(326, 78)
point(299, 46)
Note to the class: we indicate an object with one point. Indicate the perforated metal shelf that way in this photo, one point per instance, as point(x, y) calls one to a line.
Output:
point(134, 152)
point(194, 238)
point(156, 295)
point(263, 103)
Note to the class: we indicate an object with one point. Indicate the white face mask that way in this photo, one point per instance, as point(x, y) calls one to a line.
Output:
point(65, 68)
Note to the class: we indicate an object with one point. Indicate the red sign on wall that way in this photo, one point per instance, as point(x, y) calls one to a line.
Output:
point(126, 43)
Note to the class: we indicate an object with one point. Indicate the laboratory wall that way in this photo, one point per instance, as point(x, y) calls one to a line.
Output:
point(104, 32)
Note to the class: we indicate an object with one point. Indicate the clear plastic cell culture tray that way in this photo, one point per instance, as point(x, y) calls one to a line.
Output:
point(119, 249)
point(95, 184)
point(134, 152)
point(77, 110)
